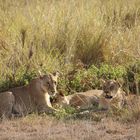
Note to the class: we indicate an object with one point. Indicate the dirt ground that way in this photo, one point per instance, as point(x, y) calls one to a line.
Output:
point(47, 128)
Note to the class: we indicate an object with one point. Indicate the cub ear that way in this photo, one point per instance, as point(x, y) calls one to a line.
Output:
point(102, 81)
point(61, 94)
point(40, 74)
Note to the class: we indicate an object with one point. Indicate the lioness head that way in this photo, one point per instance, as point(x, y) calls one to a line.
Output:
point(113, 96)
point(49, 83)
point(110, 88)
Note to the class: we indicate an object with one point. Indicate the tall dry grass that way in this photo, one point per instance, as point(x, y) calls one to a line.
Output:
point(50, 34)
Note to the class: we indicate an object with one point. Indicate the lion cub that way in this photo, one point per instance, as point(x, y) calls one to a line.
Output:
point(113, 96)
point(79, 100)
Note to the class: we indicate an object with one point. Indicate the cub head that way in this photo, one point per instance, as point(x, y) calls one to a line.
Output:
point(60, 99)
point(110, 88)
point(49, 83)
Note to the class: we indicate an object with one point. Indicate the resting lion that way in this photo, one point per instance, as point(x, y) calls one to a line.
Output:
point(35, 96)
point(79, 100)
point(6, 104)
point(113, 96)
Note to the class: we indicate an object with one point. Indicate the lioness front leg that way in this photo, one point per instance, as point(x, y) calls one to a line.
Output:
point(47, 107)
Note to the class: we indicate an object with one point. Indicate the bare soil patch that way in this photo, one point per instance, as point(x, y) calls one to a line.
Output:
point(48, 128)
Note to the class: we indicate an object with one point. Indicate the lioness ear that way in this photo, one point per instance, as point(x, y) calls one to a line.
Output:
point(120, 82)
point(40, 74)
point(57, 74)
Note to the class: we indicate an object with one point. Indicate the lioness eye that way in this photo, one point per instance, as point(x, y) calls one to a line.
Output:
point(48, 83)
point(112, 87)
point(55, 82)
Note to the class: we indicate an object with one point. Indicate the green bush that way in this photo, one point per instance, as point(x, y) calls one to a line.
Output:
point(81, 79)
point(64, 112)
point(86, 79)
point(53, 34)
point(22, 78)
point(111, 72)
point(132, 81)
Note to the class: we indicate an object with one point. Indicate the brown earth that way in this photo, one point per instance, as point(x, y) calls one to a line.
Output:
point(48, 128)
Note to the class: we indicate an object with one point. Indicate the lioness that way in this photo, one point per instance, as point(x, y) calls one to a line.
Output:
point(6, 104)
point(79, 100)
point(113, 96)
point(36, 95)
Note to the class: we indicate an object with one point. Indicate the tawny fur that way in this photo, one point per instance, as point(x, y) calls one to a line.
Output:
point(113, 96)
point(80, 100)
point(35, 96)
point(6, 104)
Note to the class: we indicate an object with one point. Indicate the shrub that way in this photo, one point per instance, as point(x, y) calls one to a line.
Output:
point(132, 81)
point(22, 78)
point(86, 79)
point(64, 113)
point(50, 35)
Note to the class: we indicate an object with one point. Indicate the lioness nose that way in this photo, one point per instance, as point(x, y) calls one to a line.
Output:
point(108, 96)
point(106, 91)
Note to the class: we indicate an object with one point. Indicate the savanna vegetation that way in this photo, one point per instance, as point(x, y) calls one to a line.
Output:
point(58, 35)
point(49, 35)
point(85, 40)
